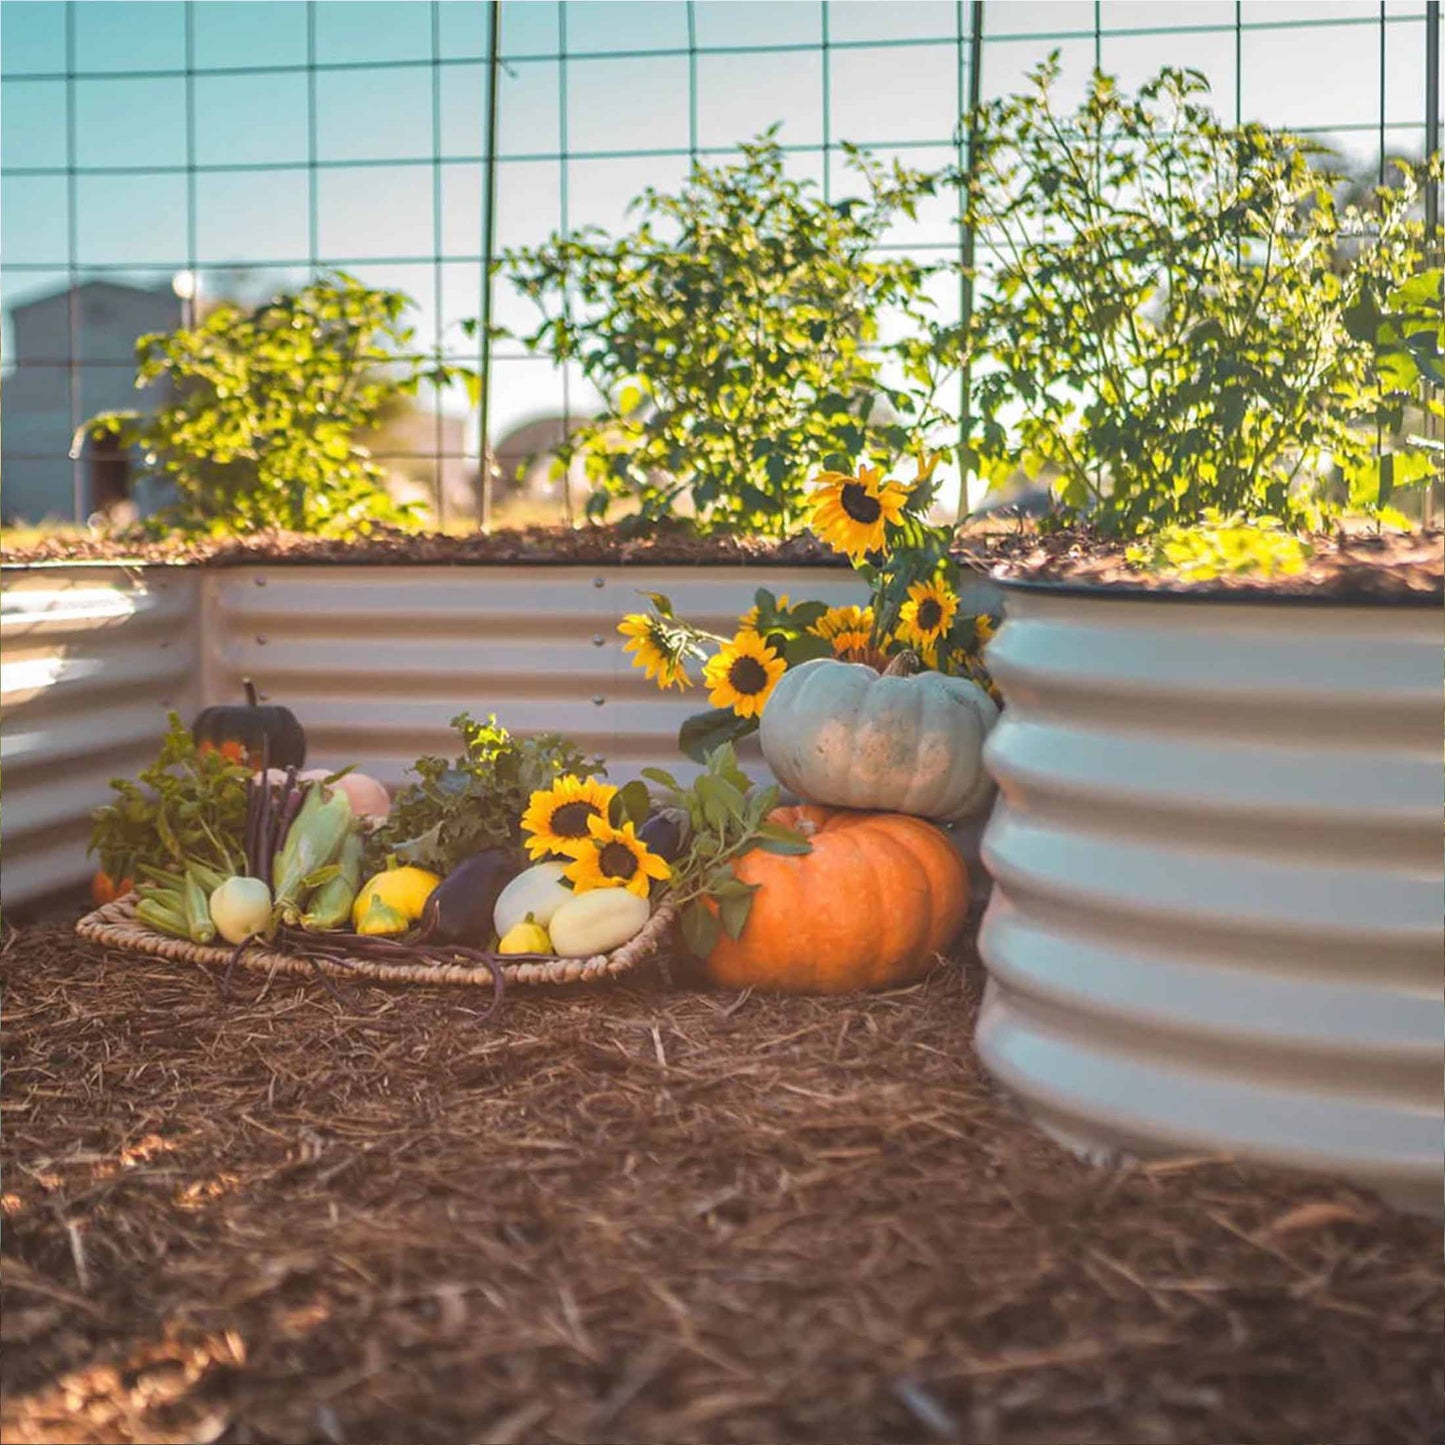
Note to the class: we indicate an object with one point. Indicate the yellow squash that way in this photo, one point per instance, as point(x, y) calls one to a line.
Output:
point(405, 890)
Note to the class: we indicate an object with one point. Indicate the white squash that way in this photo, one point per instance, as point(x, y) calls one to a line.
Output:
point(539, 892)
point(241, 908)
point(597, 922)
point(840, 734)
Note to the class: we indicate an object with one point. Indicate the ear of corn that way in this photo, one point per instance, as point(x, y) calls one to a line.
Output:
point(313, 842)
point(330, 905)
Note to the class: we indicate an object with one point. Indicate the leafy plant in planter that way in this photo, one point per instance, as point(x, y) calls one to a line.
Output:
point(1167, 312)
point(734, 337)
point(263, 411)
point(1404, 322)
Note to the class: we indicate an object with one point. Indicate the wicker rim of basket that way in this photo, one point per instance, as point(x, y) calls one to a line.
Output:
point(114, 925)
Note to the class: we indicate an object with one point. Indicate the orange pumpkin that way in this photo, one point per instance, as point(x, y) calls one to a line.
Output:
point(878, 897)
point(105, 889)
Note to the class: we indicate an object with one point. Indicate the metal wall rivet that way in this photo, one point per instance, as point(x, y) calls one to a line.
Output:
point(598, 639)
point(599, 581)
point(598, 700)
point(261, 638)
point(259, 581)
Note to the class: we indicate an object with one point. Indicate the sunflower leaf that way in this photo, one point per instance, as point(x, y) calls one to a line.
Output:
point(704, 732)
point(805, 647)
point(775, 838)
point(700, 929)
point(635, 802)
point(733, 911)
point(722, 802)
point(805, 614)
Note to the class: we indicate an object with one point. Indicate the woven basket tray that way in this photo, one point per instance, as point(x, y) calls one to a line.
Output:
point(114, 925)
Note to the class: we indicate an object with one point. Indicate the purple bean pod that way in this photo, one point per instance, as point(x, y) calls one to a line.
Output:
point(261, 861)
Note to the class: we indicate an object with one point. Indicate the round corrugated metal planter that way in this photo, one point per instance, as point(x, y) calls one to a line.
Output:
point(1215, 923)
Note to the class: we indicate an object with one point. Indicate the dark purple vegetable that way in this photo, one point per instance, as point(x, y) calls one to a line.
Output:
point(252, 731)
point(663, 835)
point(460, 907)
point(260, 857)
point(248, 837)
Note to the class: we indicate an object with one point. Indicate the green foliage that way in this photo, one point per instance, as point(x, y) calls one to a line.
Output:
point(187, 807)
point(477, 801)
point(734, 334)
point(261, 411)
point(1222, 546)
point(728, 817)
point(1405, 324)
point(1168, 313)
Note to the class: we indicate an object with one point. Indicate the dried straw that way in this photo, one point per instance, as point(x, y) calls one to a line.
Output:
point(638, 1213)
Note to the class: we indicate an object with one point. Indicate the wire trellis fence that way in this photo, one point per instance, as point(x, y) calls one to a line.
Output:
point(509, 98)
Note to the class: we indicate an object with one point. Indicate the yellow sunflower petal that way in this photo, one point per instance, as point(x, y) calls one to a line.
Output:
point(556, 818)
point(615, 857)
point(743, 674)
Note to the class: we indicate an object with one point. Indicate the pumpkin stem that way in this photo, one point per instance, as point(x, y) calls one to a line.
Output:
point(250, 690)
point(905, 664)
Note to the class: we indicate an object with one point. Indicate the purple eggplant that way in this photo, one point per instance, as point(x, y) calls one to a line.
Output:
point(460, 907)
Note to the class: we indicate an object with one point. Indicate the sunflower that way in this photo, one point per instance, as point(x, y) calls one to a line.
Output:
point(743, 674)
point(852, 513)
point(984, 628)
point(613, 857)
point(857, 646)
point(654, 648)
point(557, 817)
point(927, 614)
point(837, 620)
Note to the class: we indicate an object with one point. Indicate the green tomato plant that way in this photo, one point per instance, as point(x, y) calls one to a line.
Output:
point(262, 412)
point(735, 335)
point(1177, 314)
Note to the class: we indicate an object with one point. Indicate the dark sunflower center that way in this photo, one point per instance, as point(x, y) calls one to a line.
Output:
point(859, 505)
point(930, 614)
point(617, 861)
point(570, 820)
point(747, 675)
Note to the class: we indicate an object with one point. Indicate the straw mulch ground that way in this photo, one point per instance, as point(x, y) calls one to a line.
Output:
point(644, 1215)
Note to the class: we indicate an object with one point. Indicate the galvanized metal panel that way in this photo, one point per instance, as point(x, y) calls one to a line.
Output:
point(90, 660)
point(1216, 915)
point(375, 661)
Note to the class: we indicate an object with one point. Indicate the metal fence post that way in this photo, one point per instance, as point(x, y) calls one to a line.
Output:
point(965, 249)
point(489, 246)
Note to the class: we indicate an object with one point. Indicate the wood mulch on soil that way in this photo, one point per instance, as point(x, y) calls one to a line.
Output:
point(1371, 566)
point(640, 1214)
point(1365, 564)
point(555, 545)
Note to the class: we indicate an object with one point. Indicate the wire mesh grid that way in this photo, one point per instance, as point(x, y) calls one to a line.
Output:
point(193, 148)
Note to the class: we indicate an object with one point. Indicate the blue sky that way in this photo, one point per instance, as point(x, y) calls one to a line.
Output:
point(389, 208)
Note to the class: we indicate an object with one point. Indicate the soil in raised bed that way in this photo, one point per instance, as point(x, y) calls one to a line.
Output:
point(1360, 563)
point(641, 1214)
point(1370, 566)
point(585, 545)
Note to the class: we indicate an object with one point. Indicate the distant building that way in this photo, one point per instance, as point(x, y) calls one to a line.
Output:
point(418, 449)
point(36, 419)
